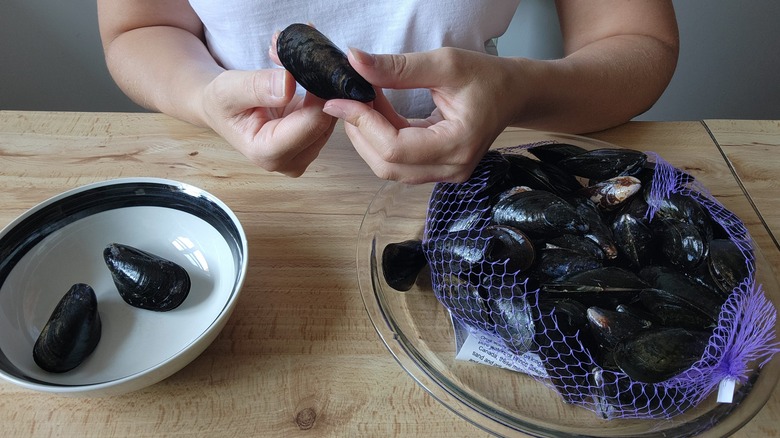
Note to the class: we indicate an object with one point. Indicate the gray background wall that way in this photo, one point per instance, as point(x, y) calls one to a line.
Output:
point(51, 58)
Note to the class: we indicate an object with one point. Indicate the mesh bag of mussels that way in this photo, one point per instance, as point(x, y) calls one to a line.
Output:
point(631, 283)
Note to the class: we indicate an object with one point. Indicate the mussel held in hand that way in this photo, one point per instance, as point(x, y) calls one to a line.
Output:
point(319, 66)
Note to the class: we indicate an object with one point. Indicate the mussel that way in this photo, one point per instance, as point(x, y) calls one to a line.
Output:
point(727, 265)
point(319, 66)
point(634, 239)
point(612, 192)
point(669, 285)
point(539, 213)
point(512, 317)
point(539, 175)
point(402, 262)
point(681, 243)
point(657, 355)
point(486, 183)
point(71, 333)
point(467, 301)
point(145, 280)
point(684, 208)
point(559, 326)
point(610, 326)
point(598, 231)
point(579, 243)
point(606, 287)
point(557, 262)
point(600, 164)
point(555, 152)
point(497, 249)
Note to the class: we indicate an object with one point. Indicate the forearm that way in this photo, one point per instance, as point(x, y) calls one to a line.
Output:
point(163, 68)
point(601, 85)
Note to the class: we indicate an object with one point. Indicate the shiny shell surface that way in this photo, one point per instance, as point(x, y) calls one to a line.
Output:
point(145, 280)
point(71, 333)
point(319, 66)
point(401, 262)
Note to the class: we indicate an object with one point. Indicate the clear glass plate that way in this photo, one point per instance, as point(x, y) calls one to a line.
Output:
point(417, 330)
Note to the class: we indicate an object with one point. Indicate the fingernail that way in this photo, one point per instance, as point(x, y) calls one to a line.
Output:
point(333, 111)
point(278, 83)
point(362, 57)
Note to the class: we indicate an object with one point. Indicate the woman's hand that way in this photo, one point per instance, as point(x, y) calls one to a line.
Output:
point(155, 52)
point(258, 113)
point(619, 58)
point(472, 102)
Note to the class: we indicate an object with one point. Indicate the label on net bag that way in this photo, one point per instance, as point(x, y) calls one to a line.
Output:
point(479, 347)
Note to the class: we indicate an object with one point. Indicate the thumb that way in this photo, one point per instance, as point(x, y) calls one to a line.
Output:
point(237, 90)
point(401, 71)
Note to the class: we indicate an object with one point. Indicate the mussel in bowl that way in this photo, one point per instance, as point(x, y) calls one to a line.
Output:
point(71, 333)
point(146, 280)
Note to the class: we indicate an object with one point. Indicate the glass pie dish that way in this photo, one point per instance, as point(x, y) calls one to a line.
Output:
point(418, 331)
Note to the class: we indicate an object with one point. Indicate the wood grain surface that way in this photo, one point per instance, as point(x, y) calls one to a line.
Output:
point(299, 356)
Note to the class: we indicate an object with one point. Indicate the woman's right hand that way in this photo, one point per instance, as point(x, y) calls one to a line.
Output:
point(155, 52)
point(259, 114)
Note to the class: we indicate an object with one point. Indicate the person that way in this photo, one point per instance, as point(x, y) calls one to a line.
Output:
point(443, 97)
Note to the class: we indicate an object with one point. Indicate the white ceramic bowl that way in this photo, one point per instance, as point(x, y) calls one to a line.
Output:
point(60, 242)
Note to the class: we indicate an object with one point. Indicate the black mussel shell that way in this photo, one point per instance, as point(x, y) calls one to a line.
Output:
point(557, 262)
point(555, 152)
point(145, 280)
point(538, 213)
point(601, 164)
point(511, 313)
point(598, 231)
point(575, 242)
point(637, 311)
point(447, 205)
point(538, 175)
point(610, 326)
point(669, 285)
point(727, 265)
point(634, 239)
point(559, 327)
point(402, 262)
point(496, 248)
point(684, 208)
point(461, 252)
point(605, 287)
point(604, 279)
point(71, 333)
point(466, 301)
point(681, 243)
point(657, 355)
point(509, 245)
point(319, 66)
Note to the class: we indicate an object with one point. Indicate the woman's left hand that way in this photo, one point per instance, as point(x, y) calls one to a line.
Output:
point(470, 91)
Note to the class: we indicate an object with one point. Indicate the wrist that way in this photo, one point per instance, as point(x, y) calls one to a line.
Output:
point(194, 97)
point(531, 90)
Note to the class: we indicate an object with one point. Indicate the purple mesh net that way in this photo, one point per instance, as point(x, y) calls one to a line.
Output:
point(499, 273)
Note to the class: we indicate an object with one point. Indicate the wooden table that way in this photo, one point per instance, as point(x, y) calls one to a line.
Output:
point(299, 356)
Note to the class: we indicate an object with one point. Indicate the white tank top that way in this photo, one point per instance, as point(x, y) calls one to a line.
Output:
point(238, 32)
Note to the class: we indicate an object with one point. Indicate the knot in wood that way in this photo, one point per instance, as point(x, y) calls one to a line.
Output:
point(305, 418)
